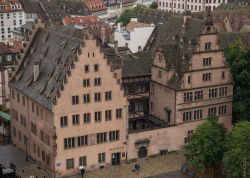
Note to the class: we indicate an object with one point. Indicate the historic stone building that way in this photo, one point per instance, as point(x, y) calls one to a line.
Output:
point(76, 101)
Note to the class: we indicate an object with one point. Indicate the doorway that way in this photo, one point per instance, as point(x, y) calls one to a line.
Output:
point(143, 152)
point(116, 158)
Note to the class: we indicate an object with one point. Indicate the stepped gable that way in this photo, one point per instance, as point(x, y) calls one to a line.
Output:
point(55, 50)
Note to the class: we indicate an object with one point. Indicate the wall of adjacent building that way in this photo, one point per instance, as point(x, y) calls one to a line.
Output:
point(64, 107)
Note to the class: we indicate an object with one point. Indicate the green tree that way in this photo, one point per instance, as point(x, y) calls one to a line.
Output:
point(154, 5)
point(206, 147)
point(237, 158)
point(238, 57)
point(129, 13)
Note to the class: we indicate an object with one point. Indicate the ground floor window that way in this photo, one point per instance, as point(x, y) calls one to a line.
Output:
point(83, 161)
point(101, 158)
point(70, 163)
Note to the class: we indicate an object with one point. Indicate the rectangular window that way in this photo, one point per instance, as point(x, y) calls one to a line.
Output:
point(64, 121)
point(70, 163)
point(97, 81)
point(82, 140)
point(189, 79)
point(212, 111)
point(223, 74)
point(108, 115)
point(207, 61)
point(188, 97)
point(118, 113)
point(222, 91)
point(101, 137)
point(152, 106)
point(86, 98)
point(108, 95)
point(75, 100)
point(101, 158)
point(69, 142)
point(76, 119)
point(206, 77)
point(198, 95)
point(33, 128)
point(86, 83)
point(187, 116)
point(83, 161)
point(208, 46)
point(97, 97)
point(86, 118)
point(96, 67)
point(19, 135)
point(212, 93)
point(23, 99)
point(18, 97)
point(86, 68)
point(222, 110)
point(197, 114)
point(159, 74)
point(152, 89)
point(98, 116)
point(114, 135)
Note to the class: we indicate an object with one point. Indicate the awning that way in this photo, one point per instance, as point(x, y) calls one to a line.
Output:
point(4, 116)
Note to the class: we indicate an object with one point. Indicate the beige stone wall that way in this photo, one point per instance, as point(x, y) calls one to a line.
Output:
point(170, 138)
point(42, 121)
point(162, 97)
point(64, 107)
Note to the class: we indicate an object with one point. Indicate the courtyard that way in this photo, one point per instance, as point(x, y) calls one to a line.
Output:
point(158, 165)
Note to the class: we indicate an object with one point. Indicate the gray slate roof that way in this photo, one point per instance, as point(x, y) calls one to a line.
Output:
point(55, 49)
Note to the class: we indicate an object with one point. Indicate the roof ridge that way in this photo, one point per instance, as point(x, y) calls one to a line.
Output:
point(64, 35)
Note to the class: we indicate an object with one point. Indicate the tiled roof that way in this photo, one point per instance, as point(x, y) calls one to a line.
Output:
point(32, 6)
point(56, 10)
point(84, 21)
point(6, 49)
point(10, 6)
point(55, 50)
point(95, 5)
point(132, 25)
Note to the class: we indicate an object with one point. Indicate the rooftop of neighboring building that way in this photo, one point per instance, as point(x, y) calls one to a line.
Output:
point(84, 21)
point(7, 49)
point(95, 5)
point(22, 30)
point(56, 10)
point(134, 24)
point(8, 6)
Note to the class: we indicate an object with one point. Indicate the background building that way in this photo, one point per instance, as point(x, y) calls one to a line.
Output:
point(179, 6)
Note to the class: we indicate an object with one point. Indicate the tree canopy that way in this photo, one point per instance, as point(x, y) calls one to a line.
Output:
point(238, 57)
point(237, 158)
point(154, 5)
point(129, 13)
point(207, 145)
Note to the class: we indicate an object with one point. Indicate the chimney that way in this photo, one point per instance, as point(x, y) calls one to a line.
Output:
point(36, 71)
point(103, 35)
point(126, 44)
point(119, 27)
point(139, 48)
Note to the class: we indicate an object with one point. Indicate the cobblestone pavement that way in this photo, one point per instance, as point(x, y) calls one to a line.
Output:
point(175, 174)
point(152, 166)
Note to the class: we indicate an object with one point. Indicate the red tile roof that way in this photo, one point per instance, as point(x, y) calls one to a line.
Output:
point(84, 21)
point(95, 5)
point(133, 24)
point(10, 6)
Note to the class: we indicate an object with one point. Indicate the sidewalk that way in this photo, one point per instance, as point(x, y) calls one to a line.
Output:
point(152, 166)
